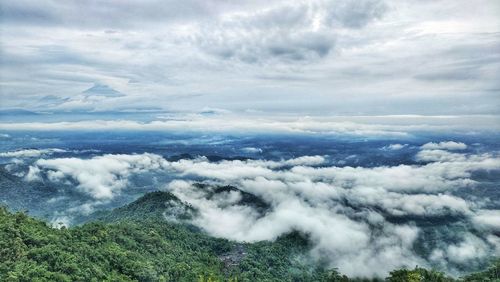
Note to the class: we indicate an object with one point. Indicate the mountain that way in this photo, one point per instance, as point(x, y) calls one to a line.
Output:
point(17, 112)
point(51, 101)
point(102, 90)
point(157, 205)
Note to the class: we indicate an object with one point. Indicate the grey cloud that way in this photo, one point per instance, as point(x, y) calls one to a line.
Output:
point(355, 14)
point(119, 14)
point(103, 14)
point(293, 33)
point(267, 47)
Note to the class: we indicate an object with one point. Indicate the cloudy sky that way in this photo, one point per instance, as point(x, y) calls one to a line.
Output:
point(342, 57)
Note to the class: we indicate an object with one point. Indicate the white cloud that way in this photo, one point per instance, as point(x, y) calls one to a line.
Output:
point(101, 177)
point(305, 161)
point(394, 147)
point(489, 219)
point(33, 174)
point(447, 145)
point(251, 150)
point(60, 221)
point(367, 126)
point(438, 156)
point(30, 153)
point(471, 248)
point(348, 243)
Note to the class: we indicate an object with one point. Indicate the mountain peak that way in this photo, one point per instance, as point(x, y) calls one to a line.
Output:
point(102, 90)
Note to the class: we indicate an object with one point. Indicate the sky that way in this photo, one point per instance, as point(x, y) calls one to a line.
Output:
point(342, 57)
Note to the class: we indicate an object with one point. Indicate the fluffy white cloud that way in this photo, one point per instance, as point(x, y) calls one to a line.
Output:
point(348, 243)
point(312, 200)
point(33, 174)
point(489, 219)
point(100, 177)
point(447, 145)
point(394, 147)
point(471, 248)
point(438, 156)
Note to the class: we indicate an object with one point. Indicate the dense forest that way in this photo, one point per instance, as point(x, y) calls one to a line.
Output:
point(136, 243)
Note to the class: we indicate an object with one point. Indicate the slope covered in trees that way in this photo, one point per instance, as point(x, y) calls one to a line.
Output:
point(136, 243)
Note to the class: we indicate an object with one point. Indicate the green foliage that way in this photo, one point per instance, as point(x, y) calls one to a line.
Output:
point(492, 274)
point(417, 275)
point(152, 251)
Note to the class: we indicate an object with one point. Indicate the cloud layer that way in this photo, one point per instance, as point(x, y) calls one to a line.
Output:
point(366, 126)
point(100, 177)
point(363, 220)
point(30, 153)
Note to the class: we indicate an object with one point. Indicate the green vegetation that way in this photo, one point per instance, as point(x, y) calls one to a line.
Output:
point(150, 250)
point(416, 275)
point(136, 243)
point(32, 251)
point(492, 274)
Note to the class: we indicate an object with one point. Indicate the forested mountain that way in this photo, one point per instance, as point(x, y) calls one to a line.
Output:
point(137, 243)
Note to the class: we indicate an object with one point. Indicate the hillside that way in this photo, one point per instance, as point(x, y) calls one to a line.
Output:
point(136, 243)
point(138, 247)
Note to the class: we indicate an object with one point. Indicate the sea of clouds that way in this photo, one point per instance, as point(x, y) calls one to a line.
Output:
point(344, 210)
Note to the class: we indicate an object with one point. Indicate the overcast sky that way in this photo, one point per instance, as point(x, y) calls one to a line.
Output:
point(305, 57)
